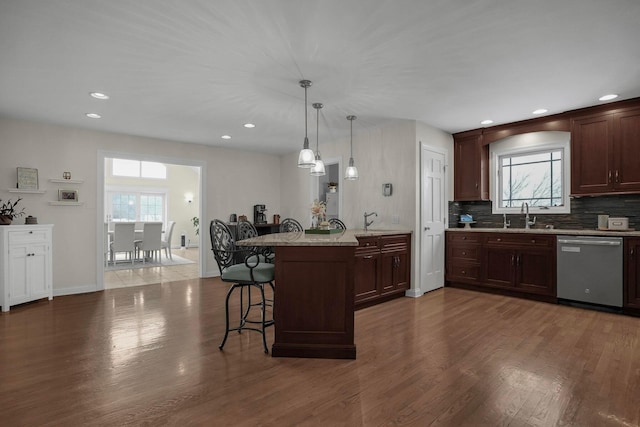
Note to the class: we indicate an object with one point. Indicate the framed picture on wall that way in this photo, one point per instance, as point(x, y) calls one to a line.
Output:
point(68, 195)
point(27, 178)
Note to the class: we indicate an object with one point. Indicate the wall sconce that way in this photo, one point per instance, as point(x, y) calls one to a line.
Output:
point(188, 197)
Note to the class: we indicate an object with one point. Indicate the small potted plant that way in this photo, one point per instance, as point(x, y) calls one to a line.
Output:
point(8, 211)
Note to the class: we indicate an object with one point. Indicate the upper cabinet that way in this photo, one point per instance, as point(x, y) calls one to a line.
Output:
point(604, 153)
point(471, 163)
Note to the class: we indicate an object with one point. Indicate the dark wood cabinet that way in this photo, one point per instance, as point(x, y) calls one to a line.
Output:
point(382, 268)
point(463, 257)
point(521, 262)
point(395, 268)
point(471, 162)
point(604, 153)
point(367, 269)
point(511, 263)
point(632, 273)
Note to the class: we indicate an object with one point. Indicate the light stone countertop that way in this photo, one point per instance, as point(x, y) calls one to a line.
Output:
point(345, 238)
point(569, 232)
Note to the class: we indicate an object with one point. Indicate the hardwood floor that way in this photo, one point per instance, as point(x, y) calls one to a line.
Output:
point(149, 356)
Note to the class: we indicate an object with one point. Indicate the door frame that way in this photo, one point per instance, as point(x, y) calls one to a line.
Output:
point(315, 181)
point(100, 196)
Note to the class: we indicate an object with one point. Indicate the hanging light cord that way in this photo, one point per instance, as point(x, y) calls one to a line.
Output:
point(317, 127)
point(306, 140)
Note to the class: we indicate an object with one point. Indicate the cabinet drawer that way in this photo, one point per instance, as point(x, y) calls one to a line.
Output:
point(461, 272)
point(468, 252)
point(367, 244)
point(17, 237)
point(521, 240)
point(394, 243)
point(462, 237)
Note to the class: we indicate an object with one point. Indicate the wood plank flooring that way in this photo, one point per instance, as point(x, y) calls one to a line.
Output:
point(149, 355)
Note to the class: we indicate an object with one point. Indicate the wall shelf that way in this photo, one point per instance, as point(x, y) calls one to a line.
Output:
point(66, 203)
point(25, 191)
point(66, 181)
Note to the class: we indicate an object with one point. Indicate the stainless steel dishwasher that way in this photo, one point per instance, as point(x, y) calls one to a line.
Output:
point(590, 269)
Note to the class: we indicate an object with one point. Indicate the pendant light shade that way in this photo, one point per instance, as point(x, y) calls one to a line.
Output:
point(306, 159)
point(318, 169)
point(352, 172)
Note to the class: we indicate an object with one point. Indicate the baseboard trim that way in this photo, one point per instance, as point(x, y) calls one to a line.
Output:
point(59, 292)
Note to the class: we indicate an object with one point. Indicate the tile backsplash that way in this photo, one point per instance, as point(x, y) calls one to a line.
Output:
point(583, 216)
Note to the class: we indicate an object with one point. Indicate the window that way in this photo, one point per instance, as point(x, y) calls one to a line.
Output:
point(533, 169)
point(534, 178)
point(138, 169)
point(135, 206)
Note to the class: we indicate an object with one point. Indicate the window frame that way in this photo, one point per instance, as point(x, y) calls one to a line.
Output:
point(138, 192)
point(532, 143)
point(140, 175)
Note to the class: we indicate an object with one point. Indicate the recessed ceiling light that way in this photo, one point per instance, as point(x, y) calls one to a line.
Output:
point(249, 125)
point(540, 111)
point(486, 122)
point(93, 115)
point(608, 97)
point(226, 137)
point(99, 95)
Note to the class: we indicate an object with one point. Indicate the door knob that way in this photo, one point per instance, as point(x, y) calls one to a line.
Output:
point(426, 229)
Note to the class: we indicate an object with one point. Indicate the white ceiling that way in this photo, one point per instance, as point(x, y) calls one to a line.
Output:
point(195, 70)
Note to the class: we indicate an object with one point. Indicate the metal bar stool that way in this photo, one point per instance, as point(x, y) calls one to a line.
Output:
point(251, 273)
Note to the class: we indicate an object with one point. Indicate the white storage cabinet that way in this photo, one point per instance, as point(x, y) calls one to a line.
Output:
point(25, 264)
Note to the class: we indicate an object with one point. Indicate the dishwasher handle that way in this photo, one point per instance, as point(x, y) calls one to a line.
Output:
point(590, 242)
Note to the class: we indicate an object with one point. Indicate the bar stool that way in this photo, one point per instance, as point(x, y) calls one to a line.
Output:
point(251, 273)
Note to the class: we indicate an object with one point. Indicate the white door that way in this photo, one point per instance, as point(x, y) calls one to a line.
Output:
point(433, 218)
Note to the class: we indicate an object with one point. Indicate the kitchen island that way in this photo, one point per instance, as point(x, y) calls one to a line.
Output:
point(314, 293)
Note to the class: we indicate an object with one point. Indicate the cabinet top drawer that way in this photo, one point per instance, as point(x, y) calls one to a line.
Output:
point(28, 236)
point(463, 237)
point(530, 240)
point(368, 242)
point(395, 242)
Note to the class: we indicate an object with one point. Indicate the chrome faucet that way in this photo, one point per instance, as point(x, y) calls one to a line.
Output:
point(368, 223)
point(527, 223)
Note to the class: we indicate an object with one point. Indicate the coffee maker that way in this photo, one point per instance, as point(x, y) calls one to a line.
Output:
point(259, 214)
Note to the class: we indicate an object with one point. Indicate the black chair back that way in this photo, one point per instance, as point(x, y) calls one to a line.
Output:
point(222, 244)
point(336, 223)
point(290, 224)
point(246, 230)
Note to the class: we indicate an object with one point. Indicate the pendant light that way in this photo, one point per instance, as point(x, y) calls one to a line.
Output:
point(352, 171)
point(318, 169)
point(306, 159)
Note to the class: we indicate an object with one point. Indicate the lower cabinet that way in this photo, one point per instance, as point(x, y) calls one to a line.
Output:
point(520, 264)
point(382, 268)
point(25, 264)
point(632, 273)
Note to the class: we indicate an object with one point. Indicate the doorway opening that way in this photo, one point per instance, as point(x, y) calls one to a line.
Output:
point(327, 188)
point(141, 189)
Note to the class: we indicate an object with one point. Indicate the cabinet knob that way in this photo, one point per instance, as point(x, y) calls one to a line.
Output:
point(463, 272)
point(368, 257)
point(609, 175)
point(533, 240)
point(499, 239)
point(464, 237)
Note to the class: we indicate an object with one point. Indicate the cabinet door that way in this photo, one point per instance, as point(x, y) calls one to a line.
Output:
point(18, 269)
point(499, 267)
point(37, 270)
point(632, 267)
point(535, 271)
point(471, 177)
point(401, 271)
point(366, 276)
point(591, 155)
point(626, 131)
point(393, 275)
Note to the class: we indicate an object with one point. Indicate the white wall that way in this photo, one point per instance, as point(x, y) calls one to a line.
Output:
point(236, 180)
